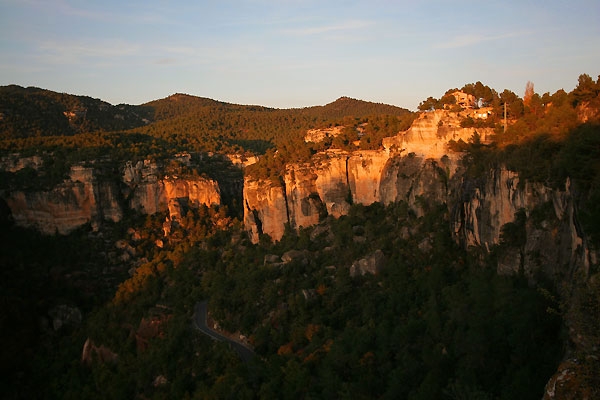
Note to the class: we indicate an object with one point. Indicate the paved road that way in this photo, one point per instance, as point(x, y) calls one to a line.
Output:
point(245, 353)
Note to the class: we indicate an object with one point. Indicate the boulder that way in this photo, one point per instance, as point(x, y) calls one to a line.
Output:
point(295, 255)
point(371, 264)
point(64, 316)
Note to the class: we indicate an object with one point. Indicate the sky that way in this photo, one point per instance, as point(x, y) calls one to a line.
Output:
point(296, 53)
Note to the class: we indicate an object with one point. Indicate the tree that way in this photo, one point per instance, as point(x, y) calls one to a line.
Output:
point(513, 102)
point(429, 104)
point(529, 92)
point(484, 95)
point(586, 89)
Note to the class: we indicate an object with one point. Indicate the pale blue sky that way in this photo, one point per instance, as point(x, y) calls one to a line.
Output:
point(295, 53)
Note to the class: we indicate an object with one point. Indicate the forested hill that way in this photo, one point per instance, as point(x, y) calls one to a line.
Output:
point(202, 124)
point(345, 106)
point(31, 111)
point(182, 121)
point(178, 105)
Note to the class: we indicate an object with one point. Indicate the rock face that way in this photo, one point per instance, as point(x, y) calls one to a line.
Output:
point(430, 133)
point(265, 208)
point(89, 197)
point(371, 264)
point(101, 354)
point(71, 204)
point(417, 167)
point(318, 135)
point(413, 166)
point(14, 162)
point(332, 182)
point(365, 170)
point(552, 241)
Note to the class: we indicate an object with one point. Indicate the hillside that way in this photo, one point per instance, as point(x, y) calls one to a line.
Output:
point(187, 121)
point(208, 125)
point(346, 106)
point(31, 111)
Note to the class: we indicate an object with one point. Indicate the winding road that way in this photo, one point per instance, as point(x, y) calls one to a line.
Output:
point(200, 312)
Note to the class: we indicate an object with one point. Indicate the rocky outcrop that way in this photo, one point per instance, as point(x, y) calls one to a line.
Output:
point(192, 191)
point(14, 162)
point(416, 181)
point(365, 170)
point(142, 190)
point(372, 264)
point(334, 181)
point(429, 134)
point(78, 200)
point(64, 316)
point(265, 208)
point(101, 354)
point(148, 193)
point(546, 239)
point(318, 135)
point(304, 204)
point(89, 196)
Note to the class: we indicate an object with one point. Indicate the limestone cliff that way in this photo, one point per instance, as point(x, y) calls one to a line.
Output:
point(365, 170)
point(78, 200)
point(143, 186)
point(304, 204)
point(430, 133)
point(332, 182)
point(552, 244)
point(148, 193)
point(265, 208)
point(481, 208)
point(413, 166)
point(89, 196)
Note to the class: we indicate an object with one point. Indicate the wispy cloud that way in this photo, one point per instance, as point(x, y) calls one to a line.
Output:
point(71, 52)
point(96, 13)
point(179, 50)
point(166, 61)
point(351, 25)
point(476, 39)
point(174, 55)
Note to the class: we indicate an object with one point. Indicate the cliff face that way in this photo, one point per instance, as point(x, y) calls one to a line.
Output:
point(335, 181)
point(88, 197)
point(73, 203)
point(147, 193)
point(551, 241)
point(364, 175)
point(536, 226)
point(430, 133)
point(332, 182)
point(411, 167)
point(265, 208)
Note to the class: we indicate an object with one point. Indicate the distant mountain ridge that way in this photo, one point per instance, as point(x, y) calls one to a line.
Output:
point(31, 111)
point(348, 106)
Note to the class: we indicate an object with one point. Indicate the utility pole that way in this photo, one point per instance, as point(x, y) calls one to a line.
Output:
point(504, 117)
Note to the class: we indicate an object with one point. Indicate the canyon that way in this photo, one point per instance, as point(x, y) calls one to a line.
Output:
point(535, 226)
point(416, 166)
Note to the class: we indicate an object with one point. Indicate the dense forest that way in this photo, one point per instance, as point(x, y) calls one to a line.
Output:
point(31, 117)
point(434, 322)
